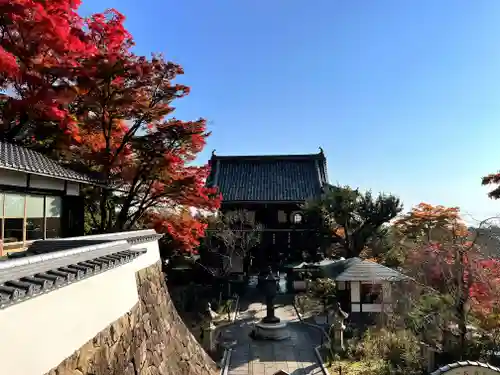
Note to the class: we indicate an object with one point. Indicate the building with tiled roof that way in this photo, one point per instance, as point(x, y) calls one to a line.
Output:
point(273, 188)
point(268, 178)
point(39, 198)
point(17, 158)
point(363, 287)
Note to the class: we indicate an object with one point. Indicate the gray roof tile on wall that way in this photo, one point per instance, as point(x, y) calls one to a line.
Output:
point(268, 178)
point(21, 279)
point(478, 366)
point(28, 161)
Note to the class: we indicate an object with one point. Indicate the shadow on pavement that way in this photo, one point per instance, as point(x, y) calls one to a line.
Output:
point(297, 351)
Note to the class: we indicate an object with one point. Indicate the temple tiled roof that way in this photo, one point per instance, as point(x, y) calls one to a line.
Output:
point(356, 269)
point(268, 178)
point(21, 159)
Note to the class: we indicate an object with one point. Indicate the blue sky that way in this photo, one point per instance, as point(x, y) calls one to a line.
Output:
point(404, 96)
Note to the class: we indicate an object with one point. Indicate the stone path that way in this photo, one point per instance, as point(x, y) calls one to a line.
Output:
point(249, 357)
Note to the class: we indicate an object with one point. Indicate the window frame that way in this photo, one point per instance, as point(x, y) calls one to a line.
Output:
point(25, 195)
point(294, 215)
point(372, 296)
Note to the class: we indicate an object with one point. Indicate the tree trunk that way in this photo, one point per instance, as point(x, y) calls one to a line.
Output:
point(103, 205)
point(121, 219)
point(460, 301)
point(462, 329)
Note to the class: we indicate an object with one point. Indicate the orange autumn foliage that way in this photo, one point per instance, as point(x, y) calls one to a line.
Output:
point(339, 232)
point(442, 252)
point(429, 220)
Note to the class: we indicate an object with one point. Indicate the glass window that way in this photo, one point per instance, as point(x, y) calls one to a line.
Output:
point(53, 227)
point(13, 230)
point(29, 217)
point(34, 228)
point(34, 217)
point(34, 206)
point(14, 205)
point(296, 218)
point(53, 206)
point(281, 216)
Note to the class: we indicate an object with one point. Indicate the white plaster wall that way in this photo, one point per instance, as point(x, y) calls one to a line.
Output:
point(153, 250)
point(40, 182)
point(151, 257)
point(38, 334)
point(371, 307)
point(355, 291)
point(386, 292)
point(13, 178)
point(73, 188)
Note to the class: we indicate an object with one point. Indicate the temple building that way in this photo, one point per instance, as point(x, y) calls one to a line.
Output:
point(39, 198)
point(273, 188)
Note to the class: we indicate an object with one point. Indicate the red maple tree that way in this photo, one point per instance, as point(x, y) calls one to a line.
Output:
point(444, 255)
point(128, 138)
point(183, 231)
point(76, 81)
point(41, 46)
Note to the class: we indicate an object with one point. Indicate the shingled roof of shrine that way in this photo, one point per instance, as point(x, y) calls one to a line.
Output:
point(268, 178)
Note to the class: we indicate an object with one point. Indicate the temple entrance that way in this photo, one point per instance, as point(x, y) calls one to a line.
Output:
point(280, 247)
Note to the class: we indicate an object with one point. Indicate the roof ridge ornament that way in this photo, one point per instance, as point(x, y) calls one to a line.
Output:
point(213, 152)
point(321, 150)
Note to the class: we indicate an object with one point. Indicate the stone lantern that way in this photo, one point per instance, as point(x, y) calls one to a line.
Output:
point(270, 327)
point(269, 286)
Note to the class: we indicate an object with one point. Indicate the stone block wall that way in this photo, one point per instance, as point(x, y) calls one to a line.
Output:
point(149, 340)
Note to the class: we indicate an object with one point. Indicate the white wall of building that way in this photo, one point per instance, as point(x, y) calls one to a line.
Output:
point(40, 182)
point(355, 292)
point(13, 178)
point(38, 334)
point(356, 306)
point(20, 179)
point(73, 188)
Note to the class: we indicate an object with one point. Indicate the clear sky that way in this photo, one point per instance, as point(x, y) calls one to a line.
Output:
point(403, 96)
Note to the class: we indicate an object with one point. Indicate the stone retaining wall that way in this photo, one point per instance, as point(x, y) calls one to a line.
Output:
point(94, 305)
point(151, 339)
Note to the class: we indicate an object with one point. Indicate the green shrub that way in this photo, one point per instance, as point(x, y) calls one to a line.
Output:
point(399, 349)
point(368, 367)
point(323, 290)
point(304, 303)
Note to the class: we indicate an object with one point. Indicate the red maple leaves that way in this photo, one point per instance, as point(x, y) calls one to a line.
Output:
point(183, 231)
point(76, 82)
point(41, 44)
point(445, 256)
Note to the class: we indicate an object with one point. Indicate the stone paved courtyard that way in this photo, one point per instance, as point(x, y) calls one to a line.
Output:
point(295, 355)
